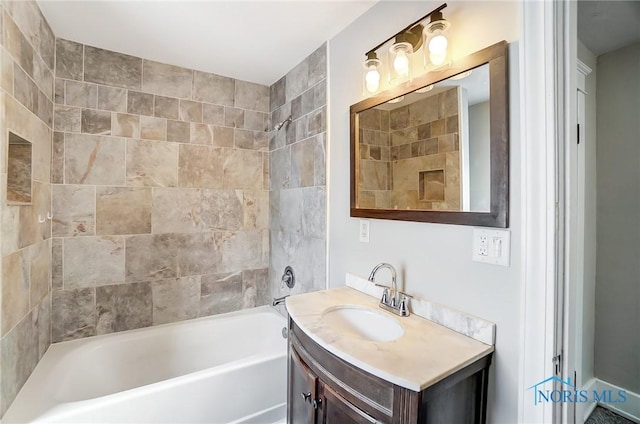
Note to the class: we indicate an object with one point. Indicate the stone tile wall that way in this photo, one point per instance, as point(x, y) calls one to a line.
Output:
point(297, 197)
point(375, 176)
point(424, 138)
point(26, 109)
point(160, 193)
point(410, 156)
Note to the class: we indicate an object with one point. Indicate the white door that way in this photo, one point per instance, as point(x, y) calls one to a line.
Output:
point(575, 249)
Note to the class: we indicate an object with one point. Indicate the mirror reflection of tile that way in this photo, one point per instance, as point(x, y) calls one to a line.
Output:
point(410, 156)
point(432, 186)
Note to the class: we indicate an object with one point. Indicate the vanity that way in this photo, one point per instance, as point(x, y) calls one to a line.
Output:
point(352, 362)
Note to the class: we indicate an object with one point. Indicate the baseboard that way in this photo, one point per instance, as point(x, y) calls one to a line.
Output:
point(585, 409)
point(629, 409)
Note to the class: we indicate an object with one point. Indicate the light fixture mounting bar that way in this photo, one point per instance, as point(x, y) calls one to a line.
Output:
point(407, 28)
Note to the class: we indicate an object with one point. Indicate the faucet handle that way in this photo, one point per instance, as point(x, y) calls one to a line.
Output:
point(403, 306)
point(399, 298)
point(385, 293)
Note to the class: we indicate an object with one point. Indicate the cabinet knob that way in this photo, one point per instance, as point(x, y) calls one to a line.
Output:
point(316, 403)
point(306, 396)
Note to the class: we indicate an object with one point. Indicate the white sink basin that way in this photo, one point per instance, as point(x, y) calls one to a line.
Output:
point(363, 323)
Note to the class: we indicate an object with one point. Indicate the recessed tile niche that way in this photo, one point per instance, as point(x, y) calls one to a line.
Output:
point(432, 185)
point(19, 170)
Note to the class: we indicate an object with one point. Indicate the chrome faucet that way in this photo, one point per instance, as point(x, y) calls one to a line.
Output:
point(392, 300)
point(389, 298)
point(279, 300)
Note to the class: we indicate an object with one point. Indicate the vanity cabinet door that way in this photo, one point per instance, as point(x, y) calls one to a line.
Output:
point(302, 392)
point(337, 410)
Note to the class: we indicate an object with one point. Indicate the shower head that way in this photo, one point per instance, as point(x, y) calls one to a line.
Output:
point(282, 124)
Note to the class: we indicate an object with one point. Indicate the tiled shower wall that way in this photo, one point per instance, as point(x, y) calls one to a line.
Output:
point(26, 109)
point(160, 193)
point(158, 179)
point(297, 197)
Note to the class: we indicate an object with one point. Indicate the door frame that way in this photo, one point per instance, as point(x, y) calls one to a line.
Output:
point(573, 178)
point(570, 312)
point(564, 162)
point(542, 109)
point(574, 306)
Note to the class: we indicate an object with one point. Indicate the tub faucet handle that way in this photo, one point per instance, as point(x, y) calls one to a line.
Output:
point(289, 278)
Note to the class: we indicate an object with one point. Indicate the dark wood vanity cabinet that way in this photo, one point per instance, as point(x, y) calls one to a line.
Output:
point(324, 389)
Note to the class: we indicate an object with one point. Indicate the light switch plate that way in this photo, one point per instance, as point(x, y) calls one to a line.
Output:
point(491, 246)
point(364, 230)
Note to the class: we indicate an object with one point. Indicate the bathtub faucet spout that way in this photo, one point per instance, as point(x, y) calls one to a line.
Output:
point(278, 300)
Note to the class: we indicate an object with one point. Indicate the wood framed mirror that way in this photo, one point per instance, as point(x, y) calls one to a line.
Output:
point(436, 149)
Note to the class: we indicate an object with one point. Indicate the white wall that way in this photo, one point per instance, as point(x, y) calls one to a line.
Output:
point(589, 282)
point(433, 260)
point(617, 339)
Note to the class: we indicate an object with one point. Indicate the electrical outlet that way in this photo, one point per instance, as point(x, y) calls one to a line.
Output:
point(491, 246)
point(364, 230)
point(483, 246)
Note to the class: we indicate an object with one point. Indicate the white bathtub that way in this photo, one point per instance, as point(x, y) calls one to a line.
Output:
point(228, 368)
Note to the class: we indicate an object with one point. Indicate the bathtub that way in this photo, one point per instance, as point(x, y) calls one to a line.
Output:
point(228, 368)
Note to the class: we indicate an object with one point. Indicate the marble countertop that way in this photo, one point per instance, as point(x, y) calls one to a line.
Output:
point(425, 354)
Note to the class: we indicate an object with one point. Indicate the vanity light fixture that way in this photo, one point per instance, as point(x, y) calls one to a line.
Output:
point(396, 100)
point(405, 43)
point(436, 51)
point(371, 74)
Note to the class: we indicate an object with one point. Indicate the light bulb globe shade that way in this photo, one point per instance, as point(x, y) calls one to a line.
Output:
point(371, 77)
point(437, 59)
point(372, 80)
point(438, 43)
point(401, 63)
point(438, 48)
point(436, 51)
